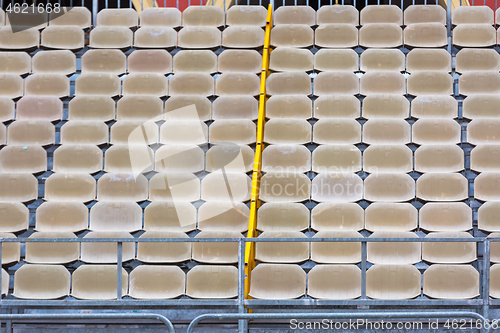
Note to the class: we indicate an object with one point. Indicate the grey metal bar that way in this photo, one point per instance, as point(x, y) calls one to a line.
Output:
point(242, 324)
point(486, 277)
point(142, 5)
point(106, 4)
point(119, 265)
point(95, 4)
point(118, 3)
point(363, 270)
point(177, 3)
point(322, 303)
point(1, 266)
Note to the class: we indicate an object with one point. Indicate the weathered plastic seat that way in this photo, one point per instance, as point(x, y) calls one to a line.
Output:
point(295, 15)
point(39, 108)
point(145, 84)
point(211, 281)
point(132, 132)
point(238, 131)
point(481, 106)
point(337, 131)
point(23, 159)
point(235, 107)
point(449, 253)
point(291, 59)
point(381, 216)
point(436, 131)
point(246, 15)
point(124, 17)
point(91, 107)
point(277, 281)
point(116, 216)
point(488, 215)
point(486, 187)
point(178, 158)
point(289, 83)
point(477, 60)
point(107, 61)
point(14, 217)
point(442, 187)
point(98, 84)
point(393, 282)
point(336, 252)
point(180, 186)
point(223, 216)
point(292, 35)
point(299, 187)
point(31, 132)
point(243, 37)
point(28, 39)
point(47, 84)
point(192, 84)
point(287, 131)
point(170, 216)
point(62, 217)
point(240, 61)
point(393, 253)
point(482, 131)
point(41, 282)
point(334, 281)
point(237, 84)
point(217, 252)
point(337, 217)
point(451, 282)
point(424, 14)
point(84, 132)
point(138, 106)
point(387, 159)
point(15, 63)
point(446, 216)
point(474, 35)
point(337, 187)
point(105, 37)
point(76, 16)
point(425, 35)
point(394, 187)
point(65, 187)
point(487, 82)
point(434, 106)
point(336, 36)
point(63, 37)
point(175, 103)
point(231, 158)
point(381, 14)
point(163, 17)
point(153, 37)
point(184, 132)
point(380, 35)
point(295, 158)
point(485, 158)
point(382, 83)
point(203, 61)
point(11, 252)
point(195, 37)
point(333, 83)
point(289, 106)
point(472, 15)
point(428, 60)
point(333, 106)
point(52, 253)
point(97, 282)
point(277, 217)
point(332, 158)
point(382, 60)
point(163, 252)
point(149, 61)
point(386, 131)
point(215, 187)
point(385, 106)
point(439, 158)
point(122, 186)
point(494, 288)
point(18, 187)
point(336, 59)
point(11, 86)
point(127, 159)
point(337, 14)
point(203, 16)
point(157, 282)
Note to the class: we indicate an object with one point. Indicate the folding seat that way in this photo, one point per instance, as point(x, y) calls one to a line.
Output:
point(439, 158)
point(333, 106)
point(282, 252)
point(177, 158)
point(285, 158)
point(472, 15)
point(381, 14)
point(163, 17)
point(199, 38)
point(236, 107)
point(52, 253)
point(287, 131)
point(337, 14)
point(15, 63)
point(14, 217)
point(77, 16)
point(337, 187)
point(27, 39)
point(336, 158)
point(380, 35)
point(183, 132)
point(98, 84)
point(64, 187)
point(192, 84)
point(330, 83)
point(238, 131)
point(393, 282)
point(104, 61)
point(116, 216)
point(84, 132)
point(334, 281)
point(170, 216)
point(442, 187)
point(386, 131)
point(47, 84)
point(393, 253)
point(449, 253)
point(11, 252)
point(177, 103)
point(2, 21)
point(111, 38)
point(217, 252)
point(445, 216)
point(145, 84)
point(336, 60)
point(97, 282)
point(386, 106)
point(428, 60)
point(291, 59)
point(336, 131)
point(434, 106)
point(134, 132)
point(64, 37)
point(424, 14)
point(477, 60)
point(277, 281)
point(381, 216)
point(23, 159)
point(272, 188)
point(141, 106)
point(382, 83)
point(292, 35)
point(240, 61)
point(336, 36)
point(337, 217)
point(485, 158)
point(107, 252)
point(216, 186)
point(212, 281)
point(474, 35)
point(7, 111)
point(487, 82)
point(230, 157)
point(163, 252)
point(451, 282)
point(62, 217)
point(203, 16)
point(39, 108)
point(295, 15)
point(243, 37)
point(122, 187)
point(237, 84)
point(149, 61)
point(157, 282)
point(486, 186)
point(31, 132)
point(289, 106)
point(336, 252)
point(128, 159)
point(425, 35)
point(11, 86)
point(5, 279)
point(488, 214)
point(100, 108)
point(204, 61)
point(385, 187)
point(26, 18)
point(151, 37)
point(482, 131)
point(382, 60)
point(387, 159)
point(41, 282)
point(480, 106)
point(3, 134)
point(223, 216)
point(180, 186)
point(494, 289)
point(285, 217)
point(246, 15)
point(125, 17)
point(436, 131)
point(289, 83)
point(494, 251)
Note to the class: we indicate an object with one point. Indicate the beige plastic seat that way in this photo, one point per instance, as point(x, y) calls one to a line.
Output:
point(122, 186)
point(157, 282)
point(482, 131)
point(211, 281)
point(449, 253)
point(192, 84)
point(237, 84)
point(183, 132)
point(380, 35)
point(439, 158)
point(333, 106)
point(178, 158)
point(203, 61)
point(163, 252)
point(39, 108)
point(132, 132)
point(295, 15)
point(394, 187)
point(337, 187)
point(336, 36)
point(336, 60)
point(334, 281)
point(291, 59)
point(11, 252)
point(14, 217)
point(104, 37)
point(494, 288)
point(336, 158)
point(393, 253)
point(477, 60)
point(238, 131)
point(289, 106)
point(330, 83)
point(122, 159)
point(390, 217)
point(474, 35)
point(485, 158)
point(425, 35)
point(77, 16)
point(486, 186)
point(142, 106)
point(170, 216)
point(104, 61)
point(181, 186)
point(488, 216)
point(386, 131)
point(163, 17)
point(145, 84)
point(28, 39)
point(116, 216)
point(240, 61)
point(26, 18)
point(487, 82)
point(434, 106)
point(7, 111)
point(436, 131)
point(243, 37)
point(480, 106)
point(223, 216)
point(97, 282)
point(277, 281)
point(41, 282)
point(471, 15)
point(387, 159)
point(98, 84)
point(23, 159)
point(393, 282)
point(337, 14)
point(284, 158)
point(47, 84)
point(52, 253)
point(31, 132)
point(203, 16)
point(446, 216)
point(61, 217)
point(289, 83)
point(246, 15)
point(125, 17)
point(442, 187)
point(382, 83)
point(84, 132)
point(451, 282)
point(336, 252)
point(292, 35)
point(5, 282)
point(91, 107)
point(65, 187)
point(3, 134)
point(337, 131)
point(287, 131)
point(232, 158)
point(218, 252)
point(11, 86)
point(15, 63)
point(494, 250)
point(150, 61)
point(216, 186)
point(381, 14)
point(385, 106)
point(337, 217)
point(236, 107)
point(428, 60)
point(202, 104)
point(63, 37)
point(151, 37)
point(199, 38)
point(22, 187)
point(282, 252)
point(298, 185)
point(285, 217)
point(424, 14)
point(382, 60)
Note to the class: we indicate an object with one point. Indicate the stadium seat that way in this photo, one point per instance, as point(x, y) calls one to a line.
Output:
point(472, 15)
point(449, 253)
point(333, 158)
point(214, 187)
point(337, 14)
point(211, 281)
point(277, 281)
point(62, 217)
point(202, 104)
point(488, 215)
point(104, 37)
point(276, 217)
point(485, 158)
point(424, 14)
point(380, 35)
point(11, 86)
point(145, 84)
point(183, 132)
point(11, 252)
point(382, 60)
point(84, 132)
point(393, 253)
point(337, 187)
point(298, 185)
point(287, 131)
point(333, 106)
point(246, 15)
point(3, 134)
point(97, 282)
point(337, 217)
point(381, 14)
point(132, 132)
point(486, 187)
point(451, 282)
point(27, 18)
point(483, 131)
point(336, 252)
point(47, 84)
point(239, 61)
point(187, 187)
point(179, 158)
point(163, 252)
point(386, 106)
point(124, 17)
point(442, 187)
point(445, 216)
point(382, 83)
point(77, 16)
point(393, 282)
point(243, 37)
point(217, 252)
point(480, 106)
point(31, 132)
point(23, 159)
point(162, 17)
point(238, 131)
point(334, 60)
point(91, 107)
point(396, 187)
point(51, 253)
point(381, 216)
point(276, 158)
point(39, 108)
point(230, 157)
point(212, 16)
point(141, 101)
point(98, 84)
point(335, 36)
point(122, 187)
point(237, 84)
point(387, 159)
point(157, 282)
point(425, 35)
point(289, 83)
point(337, 131)
point(104, 61)
point(14, 217)
point(428, 60)
point(199, 38)
point(474, 35)
point(295, 15)
point(203, 61)
point(223, 216)
point(192, 84)
point(170, 216)
point(289, 106)
point(26, 40)
point(127, 159)
point(116, 216)
point(477, 60)
point(334, 281)
point(18, 63)
point(386, 131)
point(332, 83)
point(430, 83)
point(487, 82)
point(63, 37)
point(439, 158)
point(434, 106)
point(436, 131)
point(236, 107)
point(151, 37)
point(65, 187)
point(291, 35)
point(149, 61)
point(41, 282)
point(494, 288)
point(7, 112)
point(5, 282)
point(291, 59)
